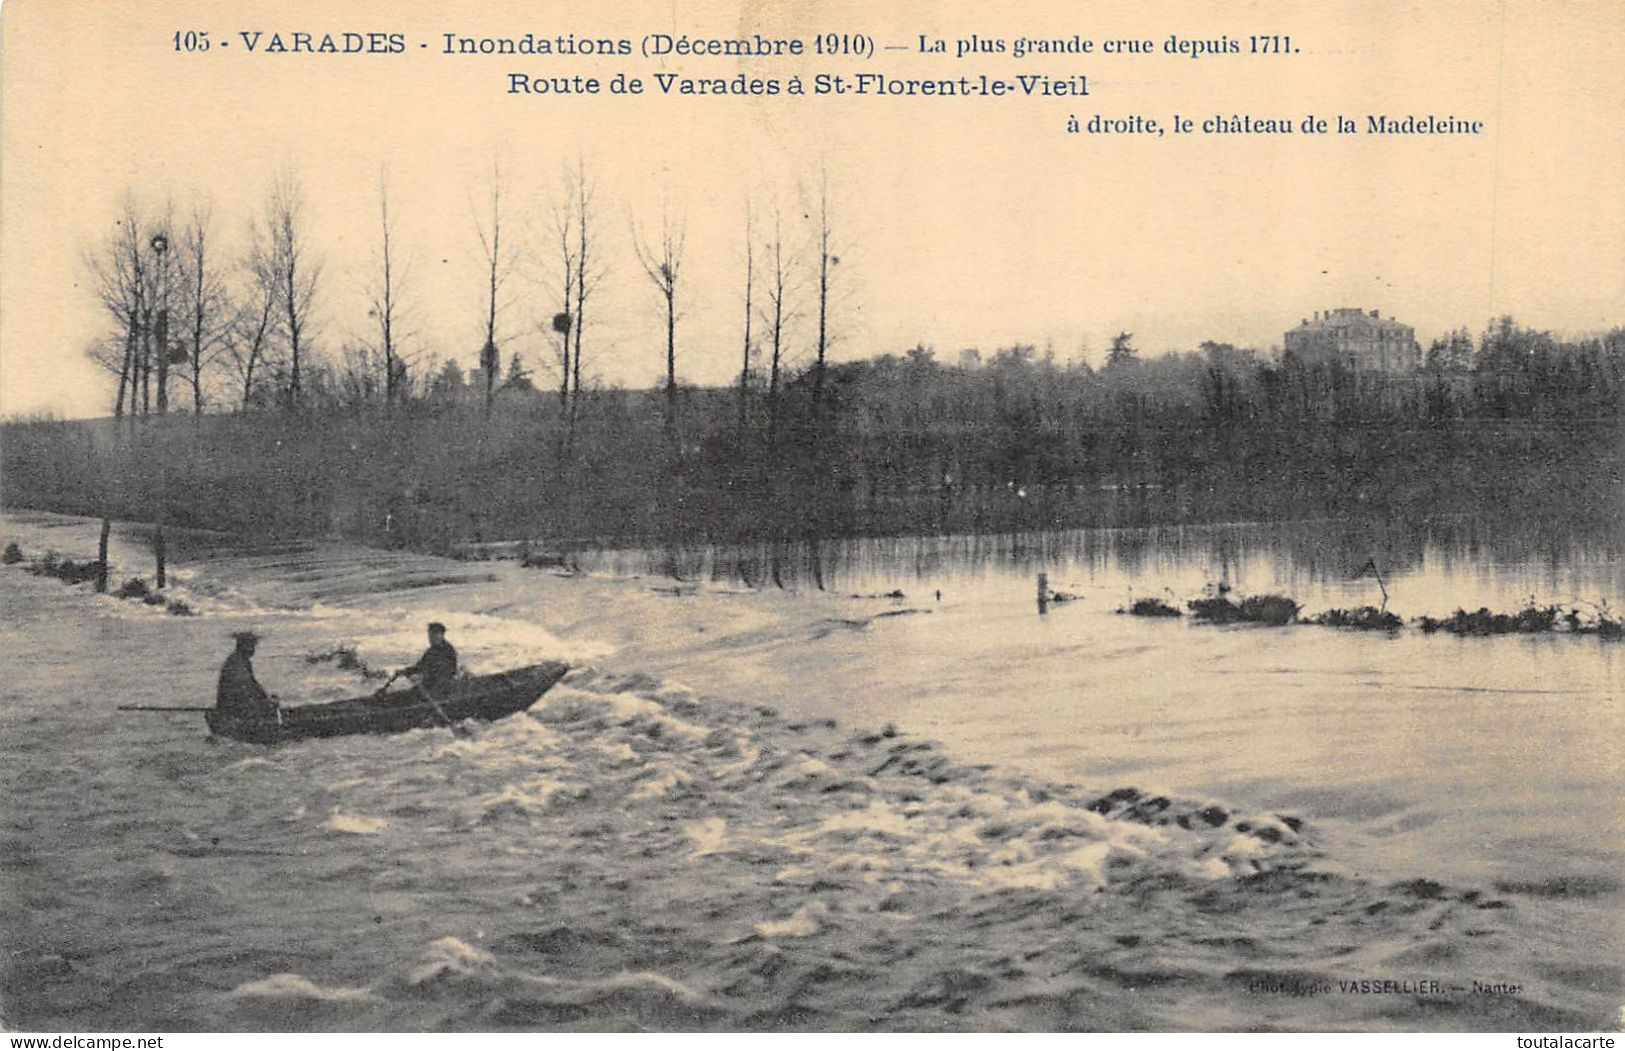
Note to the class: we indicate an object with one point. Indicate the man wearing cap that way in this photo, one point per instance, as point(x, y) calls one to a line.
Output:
point(438, 665)
point(239, 693)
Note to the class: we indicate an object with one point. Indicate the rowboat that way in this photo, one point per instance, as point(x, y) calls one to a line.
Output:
point(486, 697)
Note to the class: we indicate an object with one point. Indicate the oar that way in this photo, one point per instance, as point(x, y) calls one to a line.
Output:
point(457, 731)
point(453, 727)
point(189, 708)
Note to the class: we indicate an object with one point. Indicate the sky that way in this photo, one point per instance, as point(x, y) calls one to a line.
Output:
point(957, 222)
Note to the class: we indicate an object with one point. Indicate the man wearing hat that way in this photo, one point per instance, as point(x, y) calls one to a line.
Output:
point(438, 665)
point(239, 693)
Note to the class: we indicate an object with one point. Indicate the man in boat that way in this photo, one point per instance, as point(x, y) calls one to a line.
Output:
point(438, 665)
point(239, 693)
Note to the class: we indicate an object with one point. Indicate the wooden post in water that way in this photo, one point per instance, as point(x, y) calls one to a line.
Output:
point(160, 552)
point(101, 557)
point(1371, 564)
point(1043, 593)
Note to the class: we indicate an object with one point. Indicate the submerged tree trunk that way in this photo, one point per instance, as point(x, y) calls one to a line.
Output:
point(162, 339)
point(146, 368)
point(124, 374)
point(586, 282)
point(744, 365)
point(160, 552)
point(163, 412)
point(101, 556)
point(671, 364)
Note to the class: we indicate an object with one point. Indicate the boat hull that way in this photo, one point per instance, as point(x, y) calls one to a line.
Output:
point(484, 697)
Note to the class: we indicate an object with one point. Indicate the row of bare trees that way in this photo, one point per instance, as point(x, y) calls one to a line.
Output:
point(578, 271)
point(242, 324)
point(175, 301)
point(783, 276)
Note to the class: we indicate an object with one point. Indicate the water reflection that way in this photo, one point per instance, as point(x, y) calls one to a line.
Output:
point(1499, 560)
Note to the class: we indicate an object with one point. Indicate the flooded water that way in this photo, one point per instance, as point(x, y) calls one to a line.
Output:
point(733, 815)
point(1365, 725)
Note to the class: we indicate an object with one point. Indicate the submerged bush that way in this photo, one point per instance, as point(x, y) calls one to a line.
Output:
point(82, 573)
point(178, 608)
point(1602, 624)
point(1269, 609)
point(1215, 610)
point(66, 570)
point(13, 555)
point(1605, 626)
point(1361, 618)
point(1255, 609)
point(133, 588)
point(1530, 620)
point(1151, 607)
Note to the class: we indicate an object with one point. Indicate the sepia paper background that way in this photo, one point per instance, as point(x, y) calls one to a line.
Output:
point(957, 224)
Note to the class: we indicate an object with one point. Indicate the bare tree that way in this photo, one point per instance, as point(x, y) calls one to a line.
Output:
point(205, 303)
point(254, 316)
point(385, 297)
point(164, 272)
point(826, 259)
point(361, 375)
point(663, 263)
point(564, 232)
point(112, 352)
point(588, 272)
point(778, 314)
point(499, 264)
point(117, 271)
point(163, 269)
point(153, 349)
point(297, 274)
point(750, 282)
point(132, 272)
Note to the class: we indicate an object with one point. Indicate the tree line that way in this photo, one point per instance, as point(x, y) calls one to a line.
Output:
point(1511, 421)
point(387, 443)
point(239, 323)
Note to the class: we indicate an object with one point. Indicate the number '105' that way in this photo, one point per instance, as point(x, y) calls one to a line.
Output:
point(192, 40)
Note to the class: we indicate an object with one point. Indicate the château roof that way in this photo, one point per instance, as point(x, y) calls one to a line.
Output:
point(1343, 318)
